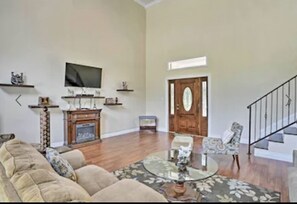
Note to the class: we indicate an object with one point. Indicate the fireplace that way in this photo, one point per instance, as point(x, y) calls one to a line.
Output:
point(81, 126)
point(85, 132)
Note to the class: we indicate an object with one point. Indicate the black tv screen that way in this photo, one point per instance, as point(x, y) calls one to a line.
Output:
point(82, 76)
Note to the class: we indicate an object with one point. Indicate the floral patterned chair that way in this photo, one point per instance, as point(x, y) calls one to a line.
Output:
point(216, 146)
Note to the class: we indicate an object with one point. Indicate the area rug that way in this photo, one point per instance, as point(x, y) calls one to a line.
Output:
point(214, 189)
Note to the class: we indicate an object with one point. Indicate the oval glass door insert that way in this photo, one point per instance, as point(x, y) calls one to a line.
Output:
point(187, 99)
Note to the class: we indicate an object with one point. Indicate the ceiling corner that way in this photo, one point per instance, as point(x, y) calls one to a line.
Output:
point(147, 3)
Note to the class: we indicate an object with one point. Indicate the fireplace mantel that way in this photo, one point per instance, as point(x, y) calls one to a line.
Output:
point(75, 119)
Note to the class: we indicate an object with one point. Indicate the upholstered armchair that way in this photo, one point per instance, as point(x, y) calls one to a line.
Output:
point(216, 145)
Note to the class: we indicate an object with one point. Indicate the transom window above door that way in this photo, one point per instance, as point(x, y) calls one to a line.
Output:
point(187, 63)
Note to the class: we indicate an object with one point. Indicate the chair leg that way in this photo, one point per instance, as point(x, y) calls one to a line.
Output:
point(237, 161)
point(233, 157)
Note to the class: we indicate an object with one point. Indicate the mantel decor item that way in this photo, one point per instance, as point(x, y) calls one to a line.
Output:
point(109, 100)
point(125, 85)
point(97, 93)
point(43, 101)
point(70, 92)
point(17, 79)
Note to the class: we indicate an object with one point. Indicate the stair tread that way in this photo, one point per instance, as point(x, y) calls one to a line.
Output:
point(290, 130)
point(278, 137)
point(263, 144)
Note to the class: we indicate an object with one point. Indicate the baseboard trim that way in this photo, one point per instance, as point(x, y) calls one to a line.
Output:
point(106, 135)
point(244, 141)
point(272, 155)
point(113, 134)
point(162, 130)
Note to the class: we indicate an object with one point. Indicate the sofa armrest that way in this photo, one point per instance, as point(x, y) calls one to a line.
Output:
point(75, 158)
point(295, 158)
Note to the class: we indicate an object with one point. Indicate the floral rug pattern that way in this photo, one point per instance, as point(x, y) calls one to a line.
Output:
point(214, 189)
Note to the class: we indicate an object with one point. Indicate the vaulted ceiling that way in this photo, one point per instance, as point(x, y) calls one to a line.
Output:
point(147, 3)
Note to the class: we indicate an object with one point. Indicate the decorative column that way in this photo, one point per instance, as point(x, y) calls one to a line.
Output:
point(45, 139)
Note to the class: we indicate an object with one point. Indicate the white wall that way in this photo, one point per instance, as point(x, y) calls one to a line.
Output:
point(39, 36)
point(251, 48)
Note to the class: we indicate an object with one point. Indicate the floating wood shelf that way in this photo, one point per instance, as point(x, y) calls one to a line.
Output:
point(112, 104)
point(125, 90)
point(15, 85)
point(70, 97)
point(43, 106)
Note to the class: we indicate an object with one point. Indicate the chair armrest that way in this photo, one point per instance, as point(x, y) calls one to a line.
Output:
point(75, 158)
point(295, 158)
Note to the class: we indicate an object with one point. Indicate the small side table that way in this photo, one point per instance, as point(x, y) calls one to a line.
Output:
point(44, 125)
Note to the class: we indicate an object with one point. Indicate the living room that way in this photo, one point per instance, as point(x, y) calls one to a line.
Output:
point(250, 48)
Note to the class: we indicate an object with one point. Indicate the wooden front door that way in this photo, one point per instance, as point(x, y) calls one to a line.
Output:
point(188, 106)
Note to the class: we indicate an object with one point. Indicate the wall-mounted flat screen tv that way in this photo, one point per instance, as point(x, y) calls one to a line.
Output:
point(82, 76)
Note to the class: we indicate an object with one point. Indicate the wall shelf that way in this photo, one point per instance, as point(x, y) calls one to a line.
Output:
point(19, 86)
point(72, 97)
point(43, 106)
point(15, 85)
point(125, 90)
point(112, 104)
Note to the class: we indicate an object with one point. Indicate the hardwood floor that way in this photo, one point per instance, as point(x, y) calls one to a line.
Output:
point(116, 152)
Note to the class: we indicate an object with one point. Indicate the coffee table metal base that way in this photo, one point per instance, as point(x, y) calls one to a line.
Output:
point(190, 195)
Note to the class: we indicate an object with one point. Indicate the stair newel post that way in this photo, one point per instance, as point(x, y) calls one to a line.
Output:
point(260, 120)
point(295, 100)
point(289, 101)
point(255, 125)
point(283, 98)
point(271, 111)
point(250, 123)
point(265, 116)
point(276, 112)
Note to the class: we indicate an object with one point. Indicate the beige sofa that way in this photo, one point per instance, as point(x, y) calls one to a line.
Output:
point(25, 175)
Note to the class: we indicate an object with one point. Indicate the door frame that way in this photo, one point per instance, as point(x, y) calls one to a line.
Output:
point(208, 95)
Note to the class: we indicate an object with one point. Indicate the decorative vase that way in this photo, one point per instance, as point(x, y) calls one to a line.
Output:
point(17, 79)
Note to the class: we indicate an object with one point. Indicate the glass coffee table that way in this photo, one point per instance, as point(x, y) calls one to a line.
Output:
point(164, 164)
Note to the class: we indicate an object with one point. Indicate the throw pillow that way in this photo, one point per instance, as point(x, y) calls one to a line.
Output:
point(227, 136)
point(59, 164)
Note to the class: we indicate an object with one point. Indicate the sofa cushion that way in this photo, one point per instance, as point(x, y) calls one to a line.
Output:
point(61, 165)
point(44, 186)
point(7, 191)
point(94, 178)
point(17, 156)
point(128, 190)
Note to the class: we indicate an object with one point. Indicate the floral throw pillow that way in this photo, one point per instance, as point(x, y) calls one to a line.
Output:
point(59, 164)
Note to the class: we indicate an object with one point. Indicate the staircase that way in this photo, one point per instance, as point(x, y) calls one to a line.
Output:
point(279, 145)
point(272, 122)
